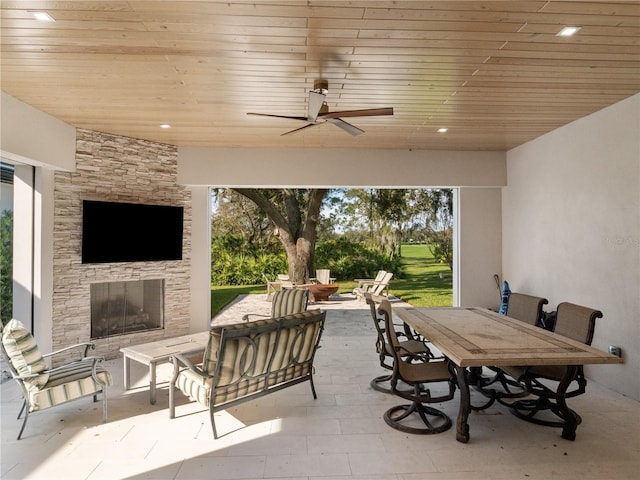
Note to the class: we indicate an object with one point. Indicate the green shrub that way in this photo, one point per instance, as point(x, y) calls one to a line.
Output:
point(6, 266)
point(235, 262)
point(348, 260)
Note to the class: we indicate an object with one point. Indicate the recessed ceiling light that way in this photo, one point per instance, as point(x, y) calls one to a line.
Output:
point(43, 16)
point(165, 125)
point(568, 31)
point(443, 130)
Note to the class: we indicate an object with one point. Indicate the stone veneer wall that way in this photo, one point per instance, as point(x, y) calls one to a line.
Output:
point(121, 169)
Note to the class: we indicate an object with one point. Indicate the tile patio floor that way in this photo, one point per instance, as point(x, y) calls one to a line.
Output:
point(288, 435)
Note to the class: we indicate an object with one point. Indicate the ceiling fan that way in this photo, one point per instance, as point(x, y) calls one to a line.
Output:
point(318, 112)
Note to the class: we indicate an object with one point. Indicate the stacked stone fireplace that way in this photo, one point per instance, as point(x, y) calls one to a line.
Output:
point(148, 300)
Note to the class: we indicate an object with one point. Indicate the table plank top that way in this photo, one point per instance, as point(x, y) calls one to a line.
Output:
point(475, 337)
point(162, 349)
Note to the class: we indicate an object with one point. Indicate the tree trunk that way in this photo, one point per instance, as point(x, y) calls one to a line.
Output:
point(295, 226)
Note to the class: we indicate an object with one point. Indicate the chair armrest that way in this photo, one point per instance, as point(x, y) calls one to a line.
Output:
point(93, 359)
point(180, 358)
point(87, 346)
point(411, 333)
point(425, 356)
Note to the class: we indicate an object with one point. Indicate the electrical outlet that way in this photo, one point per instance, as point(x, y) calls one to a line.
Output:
point(613, 350)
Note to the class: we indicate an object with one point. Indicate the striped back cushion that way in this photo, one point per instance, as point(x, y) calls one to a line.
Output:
point(210, 359)
point(23, 352)
point(289, 301)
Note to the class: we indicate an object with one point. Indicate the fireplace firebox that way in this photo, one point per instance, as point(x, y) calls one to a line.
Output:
point(124, 307)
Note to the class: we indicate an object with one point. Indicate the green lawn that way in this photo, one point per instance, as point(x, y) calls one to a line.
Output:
point(421, 287)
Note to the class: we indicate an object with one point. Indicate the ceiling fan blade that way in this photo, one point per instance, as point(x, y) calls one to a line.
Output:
point(298, 129)
point(304, 119)
point(347, 127)
point(369, 112)
point(315, 104)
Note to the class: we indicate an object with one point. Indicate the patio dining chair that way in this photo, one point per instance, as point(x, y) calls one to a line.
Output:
point(527, 309)
point(44, 387)
point(544, 381)
point(419, 371)
point(410, 341)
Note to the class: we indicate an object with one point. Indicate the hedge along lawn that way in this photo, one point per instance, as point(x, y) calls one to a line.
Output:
point(421, 287)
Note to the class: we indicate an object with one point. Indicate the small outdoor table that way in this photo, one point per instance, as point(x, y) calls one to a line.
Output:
point(153, 353)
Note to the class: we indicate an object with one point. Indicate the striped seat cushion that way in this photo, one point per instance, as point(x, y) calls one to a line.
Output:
point(66, 383)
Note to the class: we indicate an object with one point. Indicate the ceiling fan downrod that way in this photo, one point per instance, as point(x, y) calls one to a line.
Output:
point(321, 86)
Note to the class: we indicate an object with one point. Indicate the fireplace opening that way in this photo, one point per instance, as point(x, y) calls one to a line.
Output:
point(120, 308)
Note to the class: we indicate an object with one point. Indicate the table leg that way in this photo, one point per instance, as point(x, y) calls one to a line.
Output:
point(126, 363)
point(152, 383)
point(569, 416)
point(462, 427)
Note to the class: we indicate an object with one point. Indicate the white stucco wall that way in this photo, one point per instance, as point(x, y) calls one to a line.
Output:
point(571, 228)
point(479, 246)
point(30, 136)
point(479, 212)
point(277, 167)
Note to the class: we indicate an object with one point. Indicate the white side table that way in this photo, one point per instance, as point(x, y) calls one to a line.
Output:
point(153, 353)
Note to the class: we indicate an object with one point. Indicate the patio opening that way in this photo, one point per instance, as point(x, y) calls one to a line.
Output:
point(120, 308)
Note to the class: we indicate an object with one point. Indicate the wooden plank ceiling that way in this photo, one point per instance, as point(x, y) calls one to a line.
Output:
point(494, 73)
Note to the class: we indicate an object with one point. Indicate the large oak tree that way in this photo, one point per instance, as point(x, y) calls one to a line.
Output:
point(295, 214)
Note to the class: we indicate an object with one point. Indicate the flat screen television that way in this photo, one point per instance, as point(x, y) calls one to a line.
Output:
point(130, 232)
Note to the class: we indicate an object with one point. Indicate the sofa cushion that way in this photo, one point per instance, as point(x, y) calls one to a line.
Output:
point(210, 357)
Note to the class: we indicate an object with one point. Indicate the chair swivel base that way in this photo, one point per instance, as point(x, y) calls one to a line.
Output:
point(435, 421)
point(377, 382)
point(528, 409)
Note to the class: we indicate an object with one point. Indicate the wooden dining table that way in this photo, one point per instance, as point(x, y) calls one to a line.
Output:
point(478, 337)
